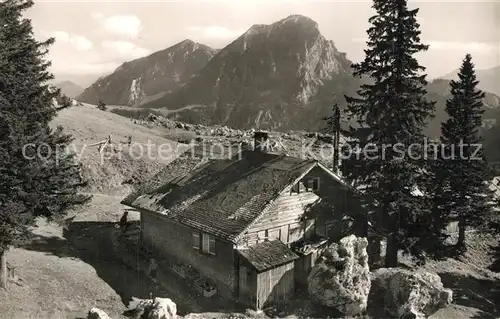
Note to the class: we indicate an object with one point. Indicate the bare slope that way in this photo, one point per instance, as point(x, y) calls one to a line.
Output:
point(109, 172)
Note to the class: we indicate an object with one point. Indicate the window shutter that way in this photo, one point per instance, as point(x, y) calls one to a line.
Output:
point(205, 243)
point(211, 245)
point(196, 240)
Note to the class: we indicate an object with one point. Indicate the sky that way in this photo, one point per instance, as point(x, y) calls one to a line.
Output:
point(94, 37)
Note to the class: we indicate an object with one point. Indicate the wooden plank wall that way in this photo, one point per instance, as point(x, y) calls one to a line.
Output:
point(174, 242)
point(304, 264)
point(275, 286)
point(283, 220)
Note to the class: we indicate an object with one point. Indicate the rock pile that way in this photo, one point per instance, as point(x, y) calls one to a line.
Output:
point(96, 313)
point(341, 280)
point(159, 308)
point(408, 294)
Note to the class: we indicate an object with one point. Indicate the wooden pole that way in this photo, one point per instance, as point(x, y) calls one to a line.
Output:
point(336, 136)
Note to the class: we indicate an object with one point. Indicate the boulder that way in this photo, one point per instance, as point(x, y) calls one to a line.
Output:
point(163, 308)
point(159, 308)
point(96, 313)
point(341, 279)
point(408, 294)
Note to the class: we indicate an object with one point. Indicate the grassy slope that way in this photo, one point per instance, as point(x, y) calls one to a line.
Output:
point(58, 286)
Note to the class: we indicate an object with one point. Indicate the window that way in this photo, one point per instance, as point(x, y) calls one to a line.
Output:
point(273, 234)
point(196, 240)
point(313, 184)
point(208, 244)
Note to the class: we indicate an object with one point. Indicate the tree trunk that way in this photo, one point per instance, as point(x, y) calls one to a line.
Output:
point(3, 269)
point(391, 254)
point(461, 234)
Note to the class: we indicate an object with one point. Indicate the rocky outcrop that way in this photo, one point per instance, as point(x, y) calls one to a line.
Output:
point(408, 294)
point(341, 280)
point(96, 313)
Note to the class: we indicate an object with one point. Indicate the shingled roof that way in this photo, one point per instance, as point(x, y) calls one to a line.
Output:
point(223, 197)
point(182, 165)
point(268, 254)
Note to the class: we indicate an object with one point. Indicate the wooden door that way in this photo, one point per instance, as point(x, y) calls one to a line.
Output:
point(243, 282)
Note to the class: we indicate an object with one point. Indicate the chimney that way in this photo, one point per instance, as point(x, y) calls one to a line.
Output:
point(261, 141)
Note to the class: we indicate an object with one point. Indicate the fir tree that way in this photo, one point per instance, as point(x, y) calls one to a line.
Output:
point(392, 110)
point(462, 171)
point(37, 176)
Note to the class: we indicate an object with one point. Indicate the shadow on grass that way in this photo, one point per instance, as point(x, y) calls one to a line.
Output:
point(495, 254)
point(482, 294)
point(91, 242)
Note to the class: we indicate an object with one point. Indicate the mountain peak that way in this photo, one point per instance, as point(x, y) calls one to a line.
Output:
point(186, 42)
point(294, 21)
point(191, 46)
point(272, 76)
point(297, 19)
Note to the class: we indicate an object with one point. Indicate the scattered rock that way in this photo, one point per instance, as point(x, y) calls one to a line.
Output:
point(408, 294)
point(341, 280)
point(96, 313)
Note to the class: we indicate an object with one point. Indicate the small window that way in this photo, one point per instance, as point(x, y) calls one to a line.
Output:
point(313, 184)
point(208, 244)
point(196, 240)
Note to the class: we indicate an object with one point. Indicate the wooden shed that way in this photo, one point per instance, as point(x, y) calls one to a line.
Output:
point(266, 274)
point(308, 253)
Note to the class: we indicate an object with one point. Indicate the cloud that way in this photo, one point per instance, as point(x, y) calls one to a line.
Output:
point(79, 42)
point(128, 25)
point(215, 31)
point(126, 49)
point(97, 15)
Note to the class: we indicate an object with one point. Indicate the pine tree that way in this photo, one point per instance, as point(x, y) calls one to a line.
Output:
point(37, 176)
point(461, 170)
point(392, 110)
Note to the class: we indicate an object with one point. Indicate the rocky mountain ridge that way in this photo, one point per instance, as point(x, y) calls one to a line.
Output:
point(150, 77)
point(273, 76)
